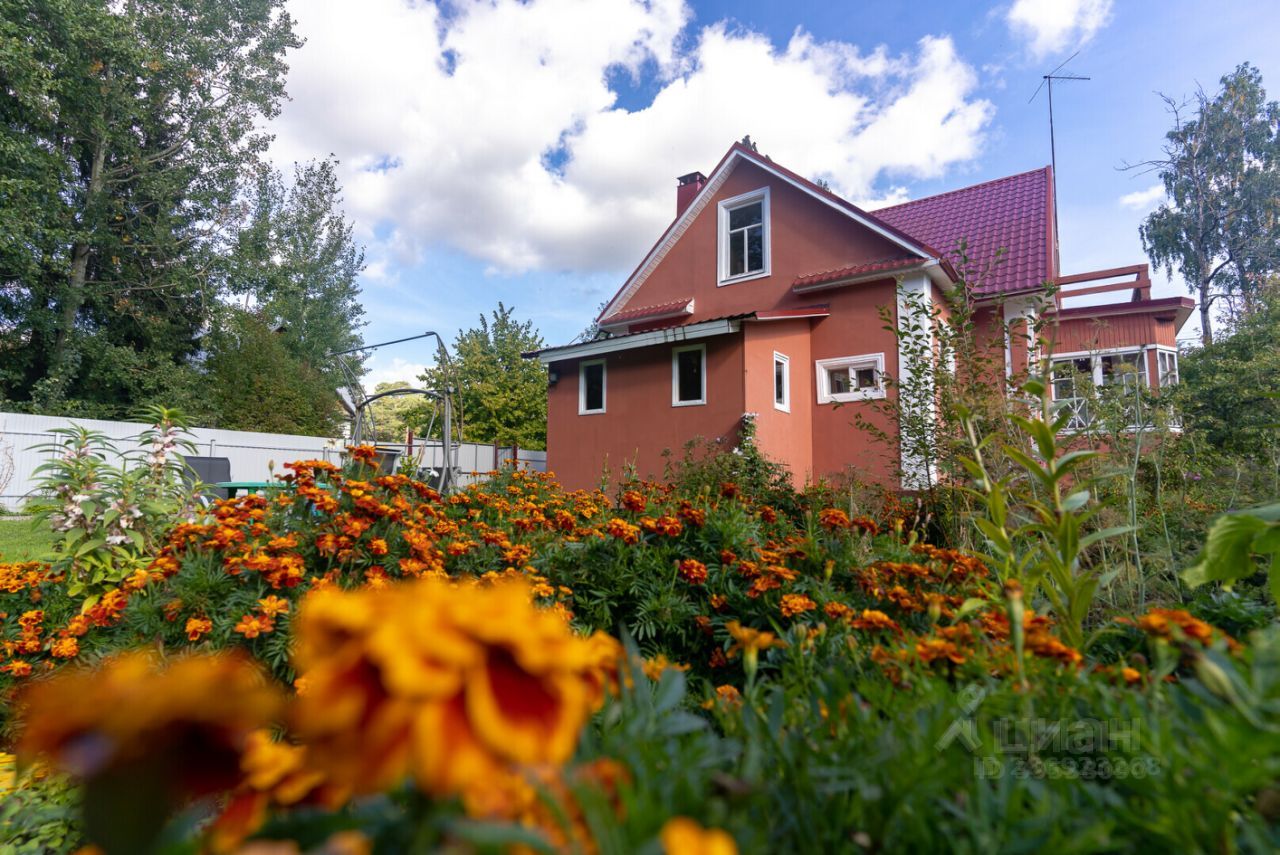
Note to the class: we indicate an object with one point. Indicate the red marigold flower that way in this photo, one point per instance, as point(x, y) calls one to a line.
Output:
point(693, 571)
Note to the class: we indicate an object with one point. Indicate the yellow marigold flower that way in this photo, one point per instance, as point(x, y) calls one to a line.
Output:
point(654, 668)
point(751, 640)
point(794, 604)
point(684, 836)
point(271, 606)
point(446, 681)
point(136, 714)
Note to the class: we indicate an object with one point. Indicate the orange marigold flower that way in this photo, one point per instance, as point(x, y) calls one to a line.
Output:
point(65, 648)
point(794, 604)
point(931, 649)
point(718, 602)
point(833, 518)
point(875, 620)
point(197, 626)
point(251, 626)
point(378, 546)
point(17, 668)
point(146, 720)
point(837, 611)
point(683, 836)
point(654, 668)
point(623, 530)
point(272, 606)
point(1174, 624)
point(693, 571)
point(633, 501)
point(1131, 675)
point(751, 640)
point(448, 682)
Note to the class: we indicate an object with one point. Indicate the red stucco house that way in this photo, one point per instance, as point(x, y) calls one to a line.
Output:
point(763, 296)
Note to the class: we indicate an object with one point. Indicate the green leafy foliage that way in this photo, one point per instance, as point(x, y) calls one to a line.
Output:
point(501, 395)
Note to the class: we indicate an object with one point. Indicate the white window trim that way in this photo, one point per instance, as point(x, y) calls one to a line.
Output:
point(1095, 360)
point(582, 387)
point(785, 405)
point(865, 360)
point(722, 236)
point(1177, 369)
point(675, 375)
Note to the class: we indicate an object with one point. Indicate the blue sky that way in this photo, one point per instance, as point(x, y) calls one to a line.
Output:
point(526, 152)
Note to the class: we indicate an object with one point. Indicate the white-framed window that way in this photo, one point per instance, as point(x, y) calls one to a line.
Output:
point(1125, 368)
point(743, 235)
point(850, 378)
point(591, 387)
point(1167, 367)
point(781, 382)
point(689, 375)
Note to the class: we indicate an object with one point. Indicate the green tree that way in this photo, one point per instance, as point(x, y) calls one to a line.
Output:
point(502, 396)
point(297, 262)
point(124, 130)
point(255, 383)
point(1220, 227)
point(1231, 388)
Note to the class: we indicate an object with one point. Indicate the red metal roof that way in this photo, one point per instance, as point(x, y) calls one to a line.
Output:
point(644, 313)
point(886, 265)
point(1005, 224)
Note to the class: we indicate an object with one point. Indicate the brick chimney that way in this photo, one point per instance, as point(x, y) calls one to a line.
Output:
point(689, 186)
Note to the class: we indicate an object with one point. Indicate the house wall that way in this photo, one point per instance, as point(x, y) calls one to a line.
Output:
point(639, 421)
point(854, 328)
point(1076, 335)
point(784, 437)
point(807, 236)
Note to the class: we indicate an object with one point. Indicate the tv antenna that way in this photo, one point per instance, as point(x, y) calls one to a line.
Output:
point(1046, 81)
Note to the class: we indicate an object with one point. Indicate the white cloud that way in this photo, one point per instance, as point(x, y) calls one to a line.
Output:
point(493, 129)
point(1054, 26)
point(1142, 200)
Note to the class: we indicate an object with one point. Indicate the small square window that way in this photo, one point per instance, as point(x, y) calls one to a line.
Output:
point(689, 375)
point(782, 382)
point(850, 378)
point(591, 393)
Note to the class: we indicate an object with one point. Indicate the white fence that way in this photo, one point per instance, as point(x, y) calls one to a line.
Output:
point(252, 455)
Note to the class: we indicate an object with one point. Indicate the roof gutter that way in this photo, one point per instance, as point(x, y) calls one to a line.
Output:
point(688, 332)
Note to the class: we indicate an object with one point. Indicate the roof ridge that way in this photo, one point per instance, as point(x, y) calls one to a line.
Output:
point(986, 183)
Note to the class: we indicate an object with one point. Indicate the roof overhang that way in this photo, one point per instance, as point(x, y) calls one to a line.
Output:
point(861, 273)
point(1176, 309)
point(793, 314)
point(649, 314)
point(666, 335)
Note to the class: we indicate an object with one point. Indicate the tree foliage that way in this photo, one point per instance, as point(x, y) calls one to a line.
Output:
point(125, 127)
point(1220, 227)
point(503, 397)
point(255, 383)
point(297, 262)
point(1231, 388)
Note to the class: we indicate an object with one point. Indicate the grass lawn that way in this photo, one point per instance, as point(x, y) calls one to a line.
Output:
point(20, 542)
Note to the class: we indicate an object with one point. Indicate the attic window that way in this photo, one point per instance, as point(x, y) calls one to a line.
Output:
point(744, 236)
